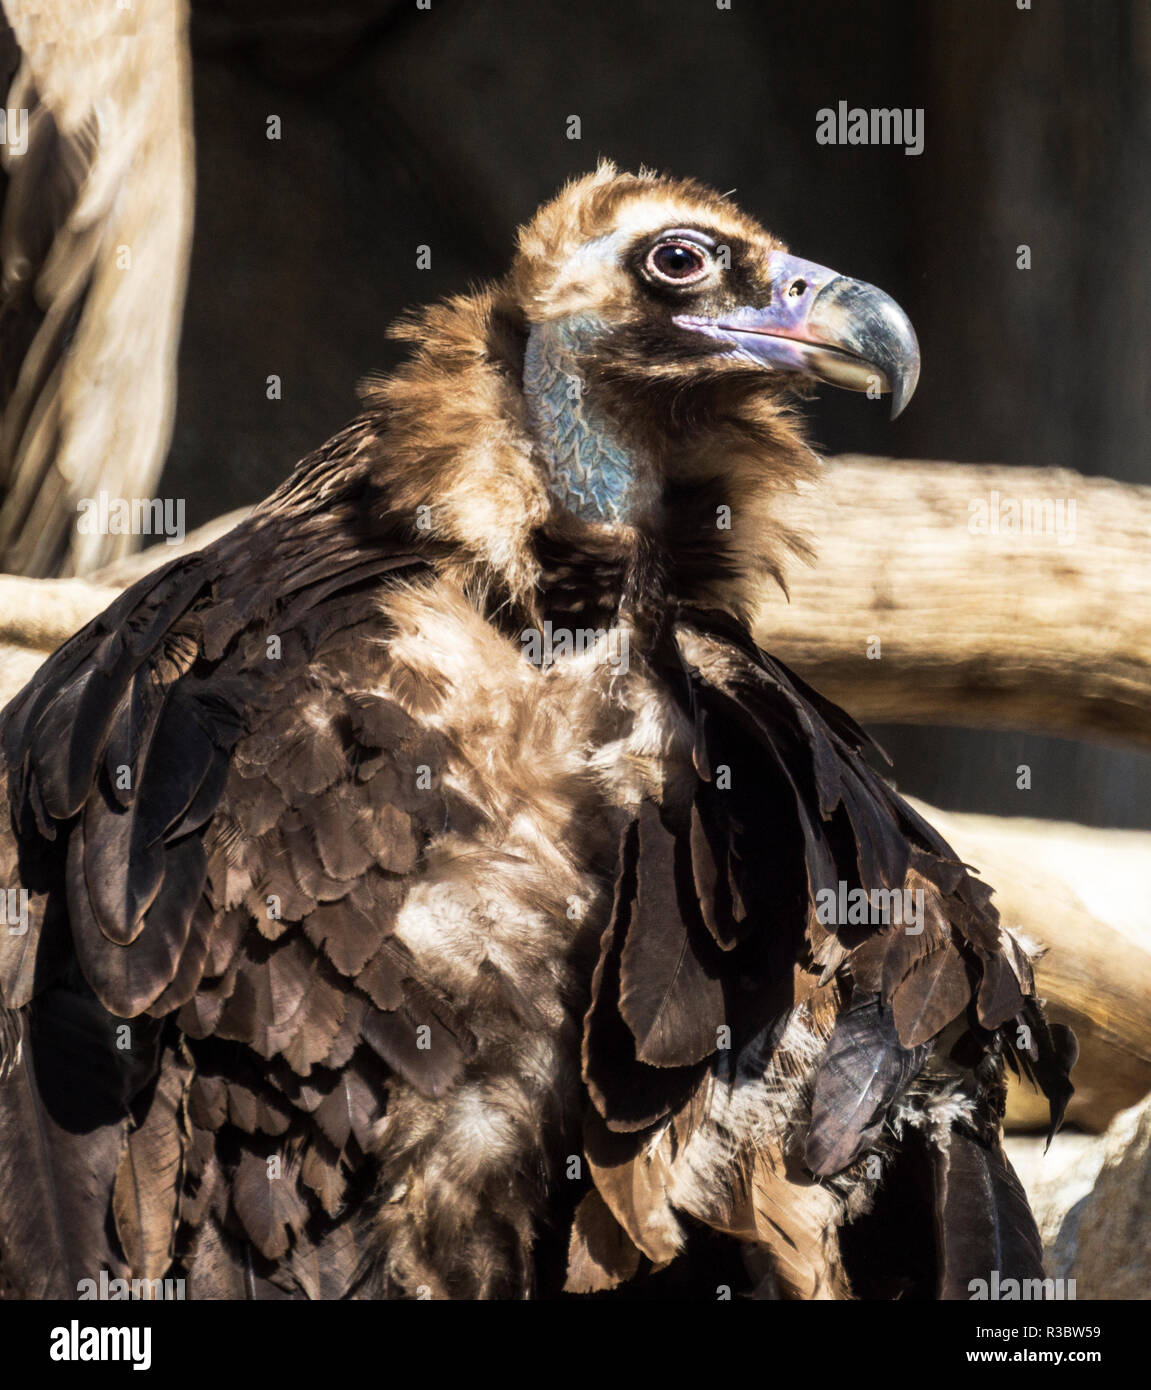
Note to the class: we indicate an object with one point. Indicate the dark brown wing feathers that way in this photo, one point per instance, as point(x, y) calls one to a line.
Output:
point(740, 893)
point(223, 839)
point(983, 1221)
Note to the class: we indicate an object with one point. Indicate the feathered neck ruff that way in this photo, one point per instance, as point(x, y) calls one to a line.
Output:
point(456, 469)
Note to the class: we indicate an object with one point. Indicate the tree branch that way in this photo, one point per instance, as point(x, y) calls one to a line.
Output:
point(1006, 630)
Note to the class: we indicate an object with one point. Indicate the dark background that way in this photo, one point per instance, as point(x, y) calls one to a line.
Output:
point(447, 127)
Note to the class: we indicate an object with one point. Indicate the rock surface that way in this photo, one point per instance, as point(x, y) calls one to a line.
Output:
point(1091, 1195)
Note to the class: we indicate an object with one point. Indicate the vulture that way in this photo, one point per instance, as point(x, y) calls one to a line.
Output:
point(430, 890)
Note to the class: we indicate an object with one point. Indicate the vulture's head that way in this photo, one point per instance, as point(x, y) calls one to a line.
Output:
point(645, 349)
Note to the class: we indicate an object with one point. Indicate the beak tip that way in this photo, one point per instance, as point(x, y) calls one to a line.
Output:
point(868, 325)
point(903, 387)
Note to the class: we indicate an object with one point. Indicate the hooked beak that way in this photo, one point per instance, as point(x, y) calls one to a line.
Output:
point(824, 325)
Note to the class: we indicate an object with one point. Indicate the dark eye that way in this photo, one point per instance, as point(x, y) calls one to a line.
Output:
point(677, 263)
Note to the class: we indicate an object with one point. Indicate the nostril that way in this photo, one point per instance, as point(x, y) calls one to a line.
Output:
point(797, 288)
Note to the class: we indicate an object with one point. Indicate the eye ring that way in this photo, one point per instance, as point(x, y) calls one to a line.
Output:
point(676, 262)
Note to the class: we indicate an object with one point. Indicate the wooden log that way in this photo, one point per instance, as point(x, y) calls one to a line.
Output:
point(1085, 896)
point(995, 628)
point(907, 615)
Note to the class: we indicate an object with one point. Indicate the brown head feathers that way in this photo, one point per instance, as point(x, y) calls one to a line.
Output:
point(461, 457)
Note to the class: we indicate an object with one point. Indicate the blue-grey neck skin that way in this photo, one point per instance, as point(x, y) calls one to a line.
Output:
point(591, 472)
